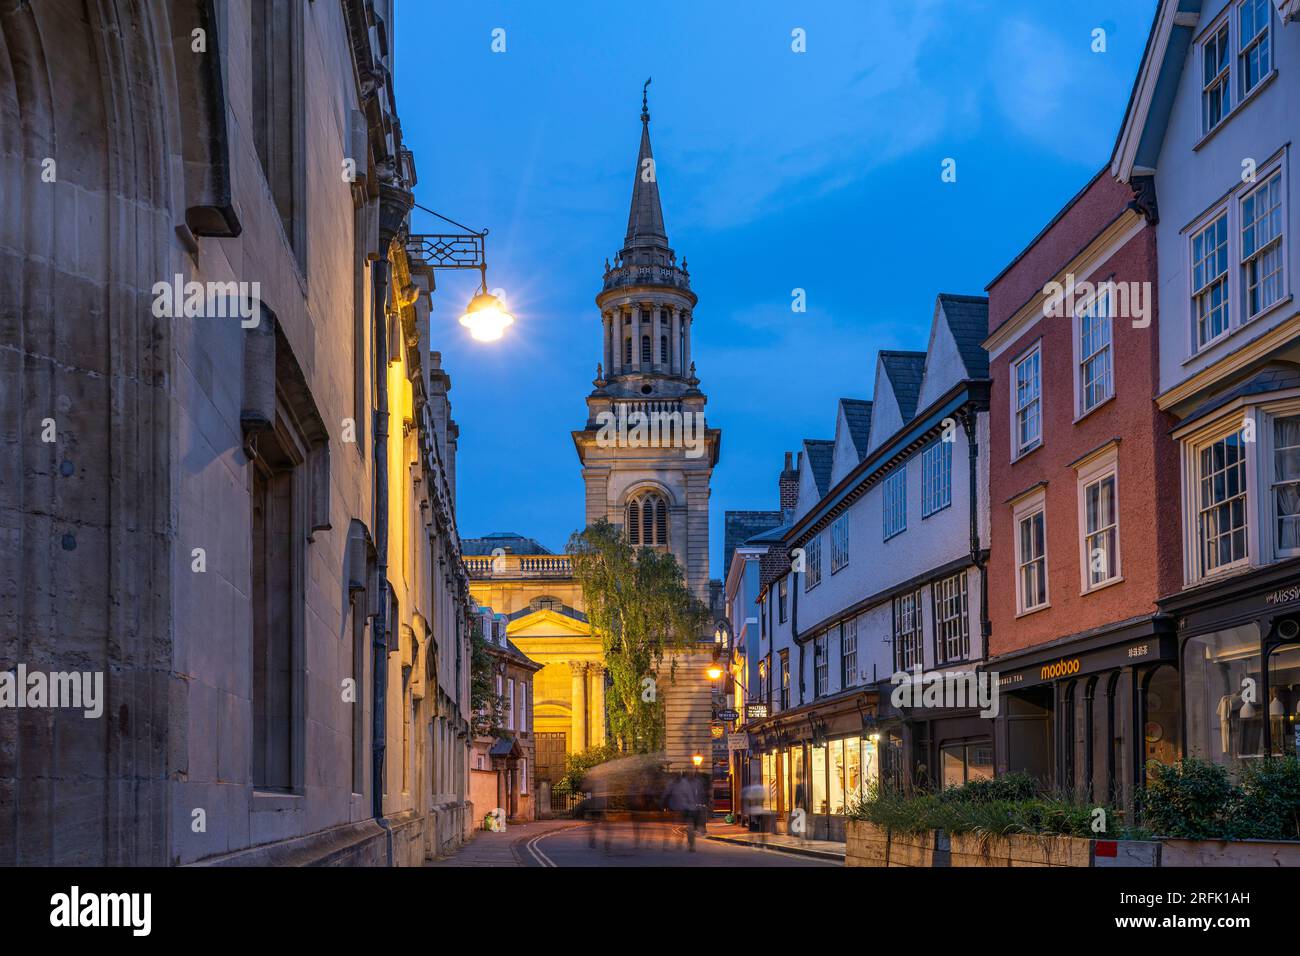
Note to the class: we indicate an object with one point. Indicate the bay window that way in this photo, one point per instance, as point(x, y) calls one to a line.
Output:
point(1210, 280)
point(1221, 502)
point(1261, 245)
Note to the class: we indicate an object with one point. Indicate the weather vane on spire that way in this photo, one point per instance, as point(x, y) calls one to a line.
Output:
point(645, 108)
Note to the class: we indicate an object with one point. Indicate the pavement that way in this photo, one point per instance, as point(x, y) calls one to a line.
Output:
point(572, 843)
point(737, 835)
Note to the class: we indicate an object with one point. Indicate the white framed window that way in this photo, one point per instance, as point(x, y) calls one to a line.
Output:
point(1210, 280)
point(1284, 491)
point(839, 543)
point(510, 704)
point(523, 777)
point(1222, 503)
point(936, 477)
point(1099, 502)
point(1095, 374)
point(1027, 402)
point(951, 619)
point(1031, 553)
point(1216, 78)
point(894, 504)
point(1261, 246)
point(1254, 43)
point(812, 575)
point(821, 670)
point(782, 595)
point(908, 631)
point(849, 653)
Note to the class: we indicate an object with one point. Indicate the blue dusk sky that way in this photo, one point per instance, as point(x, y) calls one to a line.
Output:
point(778, 170)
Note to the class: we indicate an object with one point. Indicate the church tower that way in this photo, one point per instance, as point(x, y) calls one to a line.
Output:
point(653, 483)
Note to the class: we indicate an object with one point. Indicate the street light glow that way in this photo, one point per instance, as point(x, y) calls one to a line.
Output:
point(714, 672)
point(486, 317)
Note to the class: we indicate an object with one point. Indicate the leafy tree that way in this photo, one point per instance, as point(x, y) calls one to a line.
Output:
point(639, 605)
point(487, 705)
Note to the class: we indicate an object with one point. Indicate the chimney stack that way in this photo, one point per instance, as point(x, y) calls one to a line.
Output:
point(788, 487)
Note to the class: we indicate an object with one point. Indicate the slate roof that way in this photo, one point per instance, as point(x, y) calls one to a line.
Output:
point(968, 320)
point(820, 452)
point(511, 542)
point(905, 371)
point(740, 526)
point(857, 413)
point(1273, 377)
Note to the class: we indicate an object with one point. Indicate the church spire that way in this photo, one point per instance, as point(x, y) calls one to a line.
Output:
point(645, 220)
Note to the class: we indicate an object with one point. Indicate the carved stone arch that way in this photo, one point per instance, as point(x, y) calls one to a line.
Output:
point(83, 98)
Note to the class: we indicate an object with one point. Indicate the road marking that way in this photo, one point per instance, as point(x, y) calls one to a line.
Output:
point(538, 854)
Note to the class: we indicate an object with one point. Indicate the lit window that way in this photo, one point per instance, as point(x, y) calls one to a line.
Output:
point(951, 622)
point(1028, 420)
point(894, 509)
point(1261, 245)
point(1096, 381)
point(936, 477)
point(1216, 85)
point(782, 592)
point(1210, 280)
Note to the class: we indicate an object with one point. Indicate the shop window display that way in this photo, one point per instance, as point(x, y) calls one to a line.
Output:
point(1225, 715)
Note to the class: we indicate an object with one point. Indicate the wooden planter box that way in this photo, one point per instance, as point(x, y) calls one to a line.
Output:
point(869, 845)
point(1230, 853)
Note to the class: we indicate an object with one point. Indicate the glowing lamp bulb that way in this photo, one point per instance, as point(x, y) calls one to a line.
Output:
point(486, 317)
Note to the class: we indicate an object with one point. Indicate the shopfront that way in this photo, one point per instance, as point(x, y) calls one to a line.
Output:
point(1089, 717)
point(820, 759)
point(1239, 643)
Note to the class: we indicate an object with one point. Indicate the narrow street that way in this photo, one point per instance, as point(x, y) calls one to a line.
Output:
point(565, 843)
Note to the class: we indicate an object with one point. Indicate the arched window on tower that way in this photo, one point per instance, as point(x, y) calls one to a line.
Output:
point(646, 355)
point(663, 348)
point(647, 520)
point(627, 350)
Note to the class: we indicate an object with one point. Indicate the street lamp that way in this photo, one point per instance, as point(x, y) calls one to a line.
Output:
point(485, 316)
point(697, 759)
point(714, 672)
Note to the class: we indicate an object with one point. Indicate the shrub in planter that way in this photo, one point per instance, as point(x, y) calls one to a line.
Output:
point(1269, 805)
point(1190, 799)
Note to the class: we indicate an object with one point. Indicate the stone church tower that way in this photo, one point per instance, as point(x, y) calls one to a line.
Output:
point(657, 490)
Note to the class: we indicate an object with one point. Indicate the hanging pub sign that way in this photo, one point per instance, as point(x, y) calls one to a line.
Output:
point(755, 711)
point(728, 715)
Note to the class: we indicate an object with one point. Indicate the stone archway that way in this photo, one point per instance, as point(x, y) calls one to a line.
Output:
point(92, 171)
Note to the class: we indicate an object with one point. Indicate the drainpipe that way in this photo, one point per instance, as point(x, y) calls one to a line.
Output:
point(794, 627)
point(968, 420)
point(394, 204)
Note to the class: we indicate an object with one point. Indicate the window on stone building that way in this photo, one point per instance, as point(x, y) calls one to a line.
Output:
point(278, 537)
point(647, 520)
point(951, 621)
point(1027, 418)
point(647, 356)
point(1210, 297)
point(908, 631)
point(1095, 379)
point(1216, 79)
point(663, 349)
point(936, 477)
point(849, 653)
point(1255, 59)
point(276, 30)
point(894, 508)
point(785, 679)
point(627, 350)
point(1261, 245)
point(839, 543)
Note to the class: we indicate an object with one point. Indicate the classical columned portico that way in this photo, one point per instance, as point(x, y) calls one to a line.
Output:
point(578, 701)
